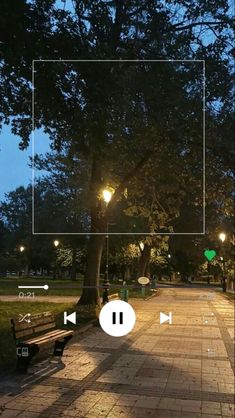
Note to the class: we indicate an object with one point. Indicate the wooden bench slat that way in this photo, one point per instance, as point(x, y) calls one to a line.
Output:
point(49, 337)
point(31, 324)
point(24, 333)
point(34, 322)
point(56, 337)
point(44, 327)
point(56, 331)
point(30, 331)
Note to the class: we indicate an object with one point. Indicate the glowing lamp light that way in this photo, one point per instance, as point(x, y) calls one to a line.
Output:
point(222, 236)
point(22, 248)
point(107, 195)
point(56, 243)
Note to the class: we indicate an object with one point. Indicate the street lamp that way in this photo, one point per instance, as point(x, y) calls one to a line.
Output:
point(107, 196)
point(169, 265)
point(56, 243)
point(22, 249)
point(222, 237)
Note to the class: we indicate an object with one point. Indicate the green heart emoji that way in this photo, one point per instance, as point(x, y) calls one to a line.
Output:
point(209, 254)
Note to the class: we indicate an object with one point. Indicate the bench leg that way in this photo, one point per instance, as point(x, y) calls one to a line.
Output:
point(23, 361)
point(59, 346)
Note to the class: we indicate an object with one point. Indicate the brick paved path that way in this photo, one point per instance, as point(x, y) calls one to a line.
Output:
point(179, 370)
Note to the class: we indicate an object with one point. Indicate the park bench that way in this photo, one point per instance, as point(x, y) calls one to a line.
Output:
point(41, 328)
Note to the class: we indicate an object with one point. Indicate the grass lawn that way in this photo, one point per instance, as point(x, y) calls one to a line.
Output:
point(231, 296)
point(10, 310)
point(193, 282)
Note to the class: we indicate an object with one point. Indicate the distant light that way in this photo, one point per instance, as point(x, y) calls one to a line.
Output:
point(141, 246)
point(56, 243)
point(222, 236)
point(22, 248)
point(107, 195)
point(169, 255)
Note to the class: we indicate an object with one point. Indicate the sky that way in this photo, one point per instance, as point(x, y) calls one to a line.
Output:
point(14, 163)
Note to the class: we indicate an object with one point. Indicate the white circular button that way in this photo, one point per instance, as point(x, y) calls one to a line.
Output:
point(117, 318)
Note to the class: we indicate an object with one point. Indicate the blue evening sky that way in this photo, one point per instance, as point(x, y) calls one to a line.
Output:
point(14, 163)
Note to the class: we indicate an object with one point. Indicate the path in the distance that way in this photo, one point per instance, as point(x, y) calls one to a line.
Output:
point(180, 370)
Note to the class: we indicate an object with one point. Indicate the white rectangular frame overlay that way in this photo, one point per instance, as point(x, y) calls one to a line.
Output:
point(203, 154)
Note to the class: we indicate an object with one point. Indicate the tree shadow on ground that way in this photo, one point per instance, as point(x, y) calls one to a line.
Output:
point(107, 376)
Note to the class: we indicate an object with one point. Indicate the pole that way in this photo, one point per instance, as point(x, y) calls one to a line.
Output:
point(208, 272)
point(223, 277)
point(106, 277)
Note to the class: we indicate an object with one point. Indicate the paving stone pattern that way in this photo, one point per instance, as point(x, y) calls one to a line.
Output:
point(181, 370)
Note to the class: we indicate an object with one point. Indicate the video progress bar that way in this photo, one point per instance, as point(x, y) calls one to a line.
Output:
point(114, 286)
point(45, 287)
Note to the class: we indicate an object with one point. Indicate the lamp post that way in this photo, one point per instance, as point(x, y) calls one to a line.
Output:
point(222, 261)
point(169, 265)
point(107, 196)
point(222, 237)
point(22, 249)
point(56, 243)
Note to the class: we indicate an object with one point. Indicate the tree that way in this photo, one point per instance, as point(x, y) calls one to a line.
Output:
point(123, 258)
point(16, 213)
point(184, 264)
point(96, 118)
point(71, 259)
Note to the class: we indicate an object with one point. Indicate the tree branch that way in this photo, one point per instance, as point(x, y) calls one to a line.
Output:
point(191, 25)
point(120, 189)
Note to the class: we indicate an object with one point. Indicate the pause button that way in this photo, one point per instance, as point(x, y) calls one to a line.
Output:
point(117, 318)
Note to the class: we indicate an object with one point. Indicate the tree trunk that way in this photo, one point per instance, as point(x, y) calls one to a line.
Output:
point(144, 261)
point(91, 296)
point(127, 274)
point(73, 266)
point(26, 270)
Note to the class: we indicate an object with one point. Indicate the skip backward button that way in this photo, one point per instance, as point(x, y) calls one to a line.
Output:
point(71, 318)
